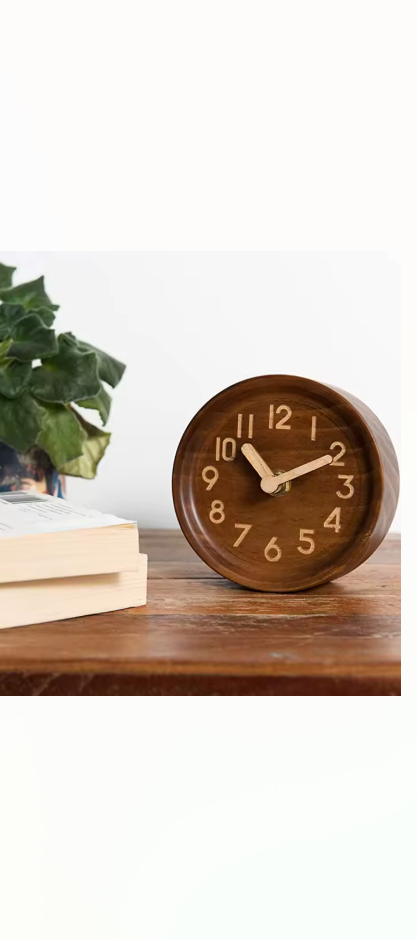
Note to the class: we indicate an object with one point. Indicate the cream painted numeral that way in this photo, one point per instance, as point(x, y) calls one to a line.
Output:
point(313, 427)
point(212, 479)
point(240, 426)
point(217, 509)
point(333, 521)
point(239, 540)
point(337, 462)
point(305, 536)
point(281, 424)
point(351, 489)
point(272, 551)
point(226, 448)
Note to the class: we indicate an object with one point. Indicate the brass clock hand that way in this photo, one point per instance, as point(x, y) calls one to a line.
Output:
point(257, 462)
point(271, 483)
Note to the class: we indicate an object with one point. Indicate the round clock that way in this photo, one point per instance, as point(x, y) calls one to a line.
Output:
point(281, 483)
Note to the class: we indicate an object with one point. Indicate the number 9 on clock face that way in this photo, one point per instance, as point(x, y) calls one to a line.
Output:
point(281, 483)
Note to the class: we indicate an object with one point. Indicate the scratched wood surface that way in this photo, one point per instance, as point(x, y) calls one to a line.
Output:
point(202, 635)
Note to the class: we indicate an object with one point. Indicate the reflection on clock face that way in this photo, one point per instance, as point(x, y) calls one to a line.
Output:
point(288, 538)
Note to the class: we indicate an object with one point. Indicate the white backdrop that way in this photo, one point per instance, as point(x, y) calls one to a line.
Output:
point(190, 323)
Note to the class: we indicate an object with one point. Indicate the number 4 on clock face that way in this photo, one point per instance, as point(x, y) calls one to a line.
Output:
point(333, 521)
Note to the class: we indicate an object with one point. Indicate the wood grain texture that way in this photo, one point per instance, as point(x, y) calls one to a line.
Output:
point(202, 635)
point(389, 472)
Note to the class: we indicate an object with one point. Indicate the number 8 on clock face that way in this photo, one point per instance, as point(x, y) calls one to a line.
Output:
point(281, 483)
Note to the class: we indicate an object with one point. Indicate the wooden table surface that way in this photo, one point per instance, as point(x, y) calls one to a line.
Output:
point(202, 635)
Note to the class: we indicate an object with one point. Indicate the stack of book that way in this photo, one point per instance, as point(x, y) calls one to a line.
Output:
point(59, 560)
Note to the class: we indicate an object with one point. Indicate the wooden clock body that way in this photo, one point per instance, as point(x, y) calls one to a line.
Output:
point(318, 526)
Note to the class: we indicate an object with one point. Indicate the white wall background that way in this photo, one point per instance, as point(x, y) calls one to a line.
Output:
point(190, 323)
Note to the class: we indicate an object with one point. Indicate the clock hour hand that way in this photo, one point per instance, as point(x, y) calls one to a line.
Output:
point(257, 462)
point(271, 483)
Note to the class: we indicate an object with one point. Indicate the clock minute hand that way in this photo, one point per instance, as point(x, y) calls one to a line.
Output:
point(270, 484)
point(257, 462)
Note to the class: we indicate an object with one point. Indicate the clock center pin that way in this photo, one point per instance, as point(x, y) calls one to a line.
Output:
point(284, 487)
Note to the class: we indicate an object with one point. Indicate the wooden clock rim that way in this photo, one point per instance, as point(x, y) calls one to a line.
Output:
point(354, 557)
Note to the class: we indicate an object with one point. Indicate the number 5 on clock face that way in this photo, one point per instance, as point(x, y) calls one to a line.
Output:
point(305, 536)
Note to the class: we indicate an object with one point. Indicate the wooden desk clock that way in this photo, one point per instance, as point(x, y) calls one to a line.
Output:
point(281, 483)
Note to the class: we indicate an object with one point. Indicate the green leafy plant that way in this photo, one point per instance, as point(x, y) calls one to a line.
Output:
point(44, 377)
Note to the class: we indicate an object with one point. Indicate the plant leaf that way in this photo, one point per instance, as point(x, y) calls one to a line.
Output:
point(102, 404)
point(46, 314)
point(62, 435)
point(30, 295)
point(9, 315)
point(6, 276)
point(93, 449)
point(110, 370)
point(69, 376)
point(4, 348)
point(32, 340)
point(14, 376)
point(21, 421)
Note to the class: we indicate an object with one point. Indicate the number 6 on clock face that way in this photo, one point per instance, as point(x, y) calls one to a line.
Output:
point(272, 551)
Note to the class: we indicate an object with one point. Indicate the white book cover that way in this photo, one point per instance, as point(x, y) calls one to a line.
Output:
point(47, 537)
point(25, 513)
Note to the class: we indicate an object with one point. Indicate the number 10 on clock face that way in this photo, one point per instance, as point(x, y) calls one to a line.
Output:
point(277, 482)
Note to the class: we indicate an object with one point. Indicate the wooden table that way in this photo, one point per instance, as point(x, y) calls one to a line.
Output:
point(202, 635)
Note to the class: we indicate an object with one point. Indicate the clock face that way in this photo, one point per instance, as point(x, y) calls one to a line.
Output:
point(239, 517)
